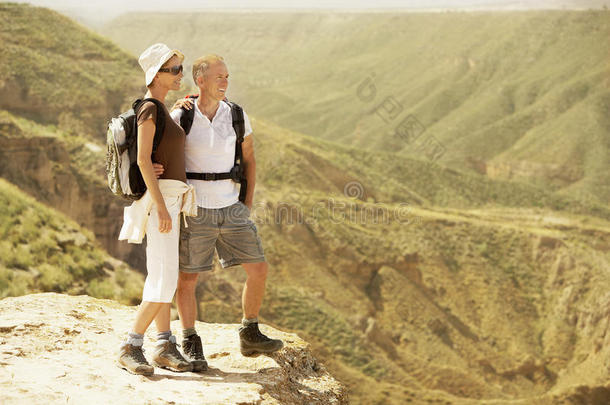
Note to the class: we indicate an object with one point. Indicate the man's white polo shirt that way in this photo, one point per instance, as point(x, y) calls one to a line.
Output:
point(210, 148)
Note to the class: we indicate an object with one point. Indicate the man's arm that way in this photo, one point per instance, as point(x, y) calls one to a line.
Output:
point(247, 150)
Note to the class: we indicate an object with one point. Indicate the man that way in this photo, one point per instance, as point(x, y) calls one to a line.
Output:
point(222, 223)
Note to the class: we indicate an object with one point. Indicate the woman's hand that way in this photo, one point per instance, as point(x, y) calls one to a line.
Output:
point(183, 102)
point(165, 221)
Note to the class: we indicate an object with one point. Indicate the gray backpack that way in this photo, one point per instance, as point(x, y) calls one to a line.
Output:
point(124, 176)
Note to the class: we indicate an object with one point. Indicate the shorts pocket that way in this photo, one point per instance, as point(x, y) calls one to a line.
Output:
point(245, 208)
point(197, 219)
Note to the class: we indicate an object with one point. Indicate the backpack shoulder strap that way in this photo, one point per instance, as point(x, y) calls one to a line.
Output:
point(187, 116)
point(160, 121)
point(237, 115)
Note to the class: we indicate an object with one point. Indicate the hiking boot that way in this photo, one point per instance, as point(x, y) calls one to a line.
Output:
point(167, 356)
point(252, 342)
point(132, 359)
point(193, 352)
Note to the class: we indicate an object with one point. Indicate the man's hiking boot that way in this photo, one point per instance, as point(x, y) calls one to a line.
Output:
point(252, 342)
point(132, 359)
point(193, 352)
point(166, 355)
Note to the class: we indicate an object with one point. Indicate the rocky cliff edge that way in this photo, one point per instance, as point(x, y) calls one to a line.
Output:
point(62, 349)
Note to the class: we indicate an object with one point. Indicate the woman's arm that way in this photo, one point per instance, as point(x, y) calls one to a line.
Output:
point(146, 134)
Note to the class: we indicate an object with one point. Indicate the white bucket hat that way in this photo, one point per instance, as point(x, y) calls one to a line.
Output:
point(154, 57)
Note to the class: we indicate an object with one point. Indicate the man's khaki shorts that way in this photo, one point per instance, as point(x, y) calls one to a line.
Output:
point(227, 230)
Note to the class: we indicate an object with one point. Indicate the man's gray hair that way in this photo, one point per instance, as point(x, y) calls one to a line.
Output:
point(202, 64)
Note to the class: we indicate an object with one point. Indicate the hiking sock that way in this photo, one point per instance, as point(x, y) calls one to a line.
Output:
point(163, 336)
point(188, 332)
point(248, 321)
point(134, 339)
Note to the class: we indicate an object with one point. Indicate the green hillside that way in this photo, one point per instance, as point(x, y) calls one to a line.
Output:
point(43, 250)
point(292, 161)
point(56, 71)
point(520, 95)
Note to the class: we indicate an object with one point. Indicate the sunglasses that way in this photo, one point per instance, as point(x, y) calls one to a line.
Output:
point(175, 70)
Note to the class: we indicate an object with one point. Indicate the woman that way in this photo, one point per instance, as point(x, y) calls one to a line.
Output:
point(159, 213)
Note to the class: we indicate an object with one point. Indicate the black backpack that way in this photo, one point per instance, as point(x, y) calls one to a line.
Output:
point(237, 171)
point(124, 176)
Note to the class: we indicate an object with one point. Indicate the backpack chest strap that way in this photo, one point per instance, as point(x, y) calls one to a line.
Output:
point(208, 176)
point(236, 174)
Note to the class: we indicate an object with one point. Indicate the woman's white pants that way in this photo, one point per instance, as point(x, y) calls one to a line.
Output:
point(162, 253)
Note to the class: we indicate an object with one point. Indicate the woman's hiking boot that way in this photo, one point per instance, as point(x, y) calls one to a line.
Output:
point(193, 352)
point(166, 355)
point(132, 359)
point(252, 342)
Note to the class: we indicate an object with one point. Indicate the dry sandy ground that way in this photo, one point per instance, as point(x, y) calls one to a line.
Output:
point(62, 349)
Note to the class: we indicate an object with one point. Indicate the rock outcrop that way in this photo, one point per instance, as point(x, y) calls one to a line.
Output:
point(62, 349)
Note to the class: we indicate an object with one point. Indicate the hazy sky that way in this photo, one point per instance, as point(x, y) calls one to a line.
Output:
point(101, 11)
